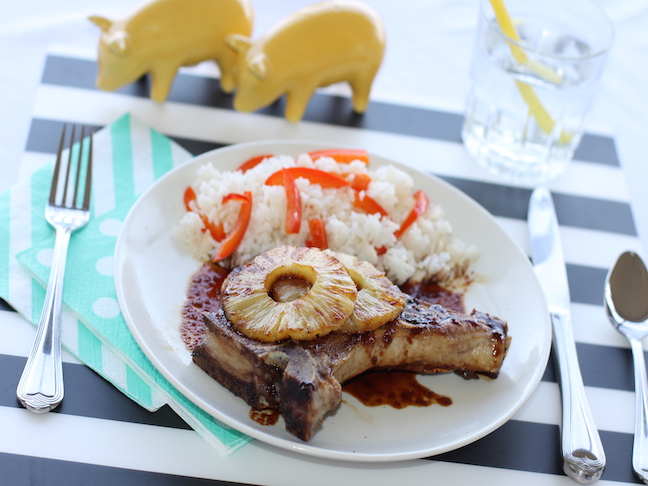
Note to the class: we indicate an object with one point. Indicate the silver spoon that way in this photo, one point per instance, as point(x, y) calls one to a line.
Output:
point(626, 299)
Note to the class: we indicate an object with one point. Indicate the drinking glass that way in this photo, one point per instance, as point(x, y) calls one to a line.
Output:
point(532, 84)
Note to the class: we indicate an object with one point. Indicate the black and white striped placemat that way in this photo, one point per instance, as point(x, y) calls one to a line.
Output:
point(596, 225)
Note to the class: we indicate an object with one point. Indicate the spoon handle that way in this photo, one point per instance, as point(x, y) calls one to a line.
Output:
point(640, 446)
point(582, 451)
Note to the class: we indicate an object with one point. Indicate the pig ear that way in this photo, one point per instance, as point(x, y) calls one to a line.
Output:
point(119, 43)
point(238, 42)
point(259, 65)
point(102, 22)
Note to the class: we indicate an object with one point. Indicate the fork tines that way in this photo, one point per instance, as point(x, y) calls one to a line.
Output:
point(73, 168)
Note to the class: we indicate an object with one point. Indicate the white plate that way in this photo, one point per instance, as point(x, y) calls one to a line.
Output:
point(152, 272)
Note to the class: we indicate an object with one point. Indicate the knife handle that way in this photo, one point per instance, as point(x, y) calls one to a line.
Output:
point(582, 451)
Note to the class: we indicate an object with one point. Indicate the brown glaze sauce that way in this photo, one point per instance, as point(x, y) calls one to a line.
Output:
point(434, 293)
point(397, 389)
point(203, 295)
point(265, 416)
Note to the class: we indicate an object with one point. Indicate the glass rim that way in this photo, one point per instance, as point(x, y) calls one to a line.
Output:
point(487, 14)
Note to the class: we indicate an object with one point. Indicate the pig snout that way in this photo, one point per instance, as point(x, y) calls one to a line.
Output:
point(256, 87)
point(251, 99)
point(114, 73)
point(115, 67)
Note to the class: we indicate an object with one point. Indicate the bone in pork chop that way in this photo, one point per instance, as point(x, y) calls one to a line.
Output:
point(303, 380)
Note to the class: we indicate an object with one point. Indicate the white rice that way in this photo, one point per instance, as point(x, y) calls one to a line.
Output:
point(426, 251)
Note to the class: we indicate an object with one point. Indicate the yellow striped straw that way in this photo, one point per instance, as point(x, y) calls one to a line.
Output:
point(542, 116)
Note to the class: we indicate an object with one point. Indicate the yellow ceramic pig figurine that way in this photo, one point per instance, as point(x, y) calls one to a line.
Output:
point(322, 44)
point(162, 35)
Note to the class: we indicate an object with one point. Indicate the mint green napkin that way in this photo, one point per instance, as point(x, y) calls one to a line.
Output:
point(128, 157)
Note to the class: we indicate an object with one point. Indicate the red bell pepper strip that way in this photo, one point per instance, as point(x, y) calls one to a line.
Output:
point(318, 234)
point(189, 196)
point(216, 230)
point(359, 182)
point(344, 156)
point(420, 205)
point(315, 176)
point(368, 204)
point(293, 206)
point(253, 162)
point(234, 238)
point(232, 196)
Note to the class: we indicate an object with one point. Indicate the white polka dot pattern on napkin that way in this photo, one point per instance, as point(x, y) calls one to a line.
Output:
point(110, 227)
point(45, 256)
point(105, 266)
point(106, 307)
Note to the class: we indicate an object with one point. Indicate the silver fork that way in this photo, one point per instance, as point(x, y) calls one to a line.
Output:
point(41, 385)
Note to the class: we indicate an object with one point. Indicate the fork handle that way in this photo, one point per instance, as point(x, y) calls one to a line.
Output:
point(640, 446)
point(40, 388)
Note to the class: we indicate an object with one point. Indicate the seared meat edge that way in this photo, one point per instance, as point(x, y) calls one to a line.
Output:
point(303, 379)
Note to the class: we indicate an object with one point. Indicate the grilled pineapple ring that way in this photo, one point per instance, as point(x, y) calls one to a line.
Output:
point(247, 302)
point(379, 301)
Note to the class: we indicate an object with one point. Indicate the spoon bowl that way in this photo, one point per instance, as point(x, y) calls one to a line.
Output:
point(626, 304)
point(627, 290)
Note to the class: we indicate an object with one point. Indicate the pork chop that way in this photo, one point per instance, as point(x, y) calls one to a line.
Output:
point(303, 379)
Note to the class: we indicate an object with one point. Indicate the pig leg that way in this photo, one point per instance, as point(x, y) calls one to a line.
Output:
point(161, 80)
point(226, 63)
point(296, 101)
point(361, 87)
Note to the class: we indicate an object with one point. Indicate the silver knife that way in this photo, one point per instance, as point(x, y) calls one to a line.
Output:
point(582, 451)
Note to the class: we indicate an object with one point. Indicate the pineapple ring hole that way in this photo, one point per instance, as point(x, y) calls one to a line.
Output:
point(359, 280)
point(287, 289)
point(286, 284)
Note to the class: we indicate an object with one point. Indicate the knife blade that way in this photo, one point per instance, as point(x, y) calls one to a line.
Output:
point(581, 448)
